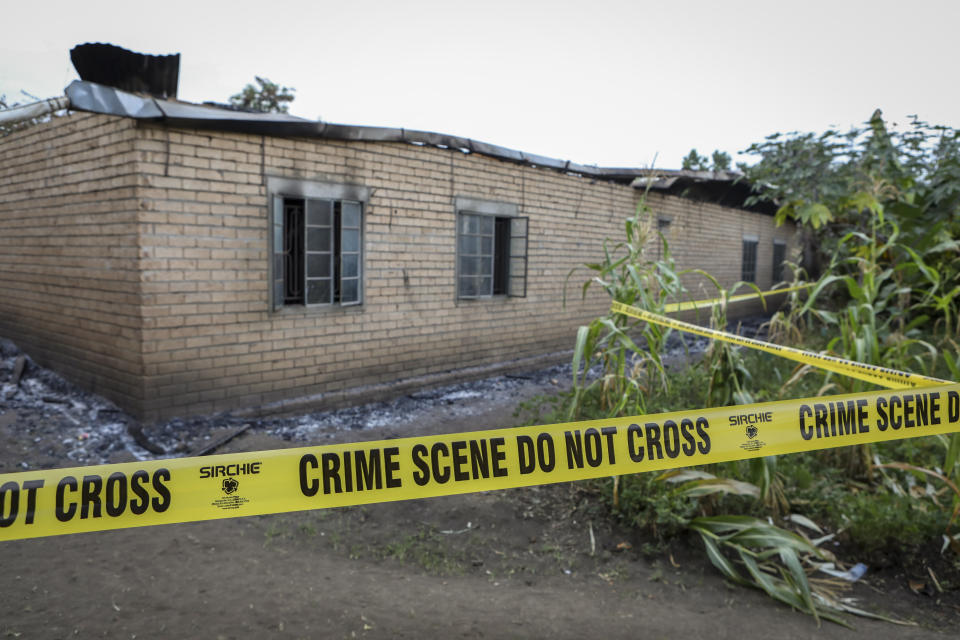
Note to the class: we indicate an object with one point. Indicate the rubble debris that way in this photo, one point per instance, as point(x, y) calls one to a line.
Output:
point(136, 432)
point(18, 370)
point(219, 442)
point(59, 422)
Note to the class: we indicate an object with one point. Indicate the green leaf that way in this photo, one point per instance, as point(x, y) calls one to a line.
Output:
point(862, 200)
point(814, 214)
point(856, 292)
point(950, 461)
point(804, 521)
point(579, 348)
point(719, 560)
point(710, 486)
point(766, 583)
point(789, 558)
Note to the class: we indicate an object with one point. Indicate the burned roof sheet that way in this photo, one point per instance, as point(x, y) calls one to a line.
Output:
point(88, 96)
point(117, 67)
point(724, 187)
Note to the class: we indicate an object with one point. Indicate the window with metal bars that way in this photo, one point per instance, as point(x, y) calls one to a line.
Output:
point(748, 264)
point(779, 256)
point(491, 252)
point(317, 251)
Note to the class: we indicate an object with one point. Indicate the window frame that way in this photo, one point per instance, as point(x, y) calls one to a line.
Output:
point(751, 274)
point(280, 189)
point(516, 285)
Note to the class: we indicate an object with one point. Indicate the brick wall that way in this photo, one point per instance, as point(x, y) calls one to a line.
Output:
point(211, 343)
point(210, 340)
point(710, 237)
point(176, 230)
point(68, 250)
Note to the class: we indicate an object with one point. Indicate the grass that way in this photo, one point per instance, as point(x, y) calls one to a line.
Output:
point(874, 512)
point(426, 550)
point(341, 530)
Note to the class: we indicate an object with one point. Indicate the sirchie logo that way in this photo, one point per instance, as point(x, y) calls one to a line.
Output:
point(752, 432)
point(230, 485)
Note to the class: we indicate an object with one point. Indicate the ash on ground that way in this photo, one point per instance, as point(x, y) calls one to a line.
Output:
point(47, 422)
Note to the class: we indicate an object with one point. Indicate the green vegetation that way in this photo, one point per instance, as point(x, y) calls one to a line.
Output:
point(266, 97)
point(629, 373)
point(426, 551)
point(693, 161)
point(880, 214)
point(879, 184)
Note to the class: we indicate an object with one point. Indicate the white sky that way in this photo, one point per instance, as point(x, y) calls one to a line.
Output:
point(605, 82)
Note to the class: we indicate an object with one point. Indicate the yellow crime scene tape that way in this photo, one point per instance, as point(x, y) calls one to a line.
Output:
point(674, 307)
point(117, 496)
point(59, 501)
point(890, 378)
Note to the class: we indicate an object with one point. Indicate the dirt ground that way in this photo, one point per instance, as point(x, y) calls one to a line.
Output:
point(526, 563)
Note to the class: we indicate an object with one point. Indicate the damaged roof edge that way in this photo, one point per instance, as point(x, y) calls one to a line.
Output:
point(95, 98)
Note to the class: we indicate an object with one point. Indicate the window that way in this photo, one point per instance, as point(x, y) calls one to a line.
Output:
point(748, 265)
point(779, 255)
point(316, 244)
point(491, 250)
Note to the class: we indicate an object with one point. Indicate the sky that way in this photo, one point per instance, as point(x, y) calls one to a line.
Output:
point(604, 82)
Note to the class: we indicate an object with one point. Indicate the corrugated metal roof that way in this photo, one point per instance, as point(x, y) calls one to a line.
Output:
point(115, 66)
point(720, 186)
point(726, 188)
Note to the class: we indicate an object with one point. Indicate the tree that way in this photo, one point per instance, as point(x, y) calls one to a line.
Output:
point(721, 160)
point(814, 178)
point(268, 97)
point(696, 162)
point(899, 189)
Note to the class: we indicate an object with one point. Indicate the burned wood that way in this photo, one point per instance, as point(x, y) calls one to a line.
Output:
point(219, 442)
point(136, 432)
point(18, 370)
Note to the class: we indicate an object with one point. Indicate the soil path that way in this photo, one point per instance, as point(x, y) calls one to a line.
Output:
point(511, 564)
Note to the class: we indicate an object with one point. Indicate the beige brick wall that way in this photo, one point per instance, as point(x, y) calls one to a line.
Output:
point(211, 343)
point(69, 284)
point(710, 237)
point(167, 301)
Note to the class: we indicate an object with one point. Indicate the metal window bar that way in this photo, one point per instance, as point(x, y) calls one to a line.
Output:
point(748, 268)
point(316, 252)
point(318, 247)
point(351, 243)
point(519, 244)
point(276, 254)
point(293, 259)
point(475, 255)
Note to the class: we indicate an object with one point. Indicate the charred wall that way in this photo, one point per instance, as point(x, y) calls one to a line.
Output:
point(69, 274)
point(136, 259)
